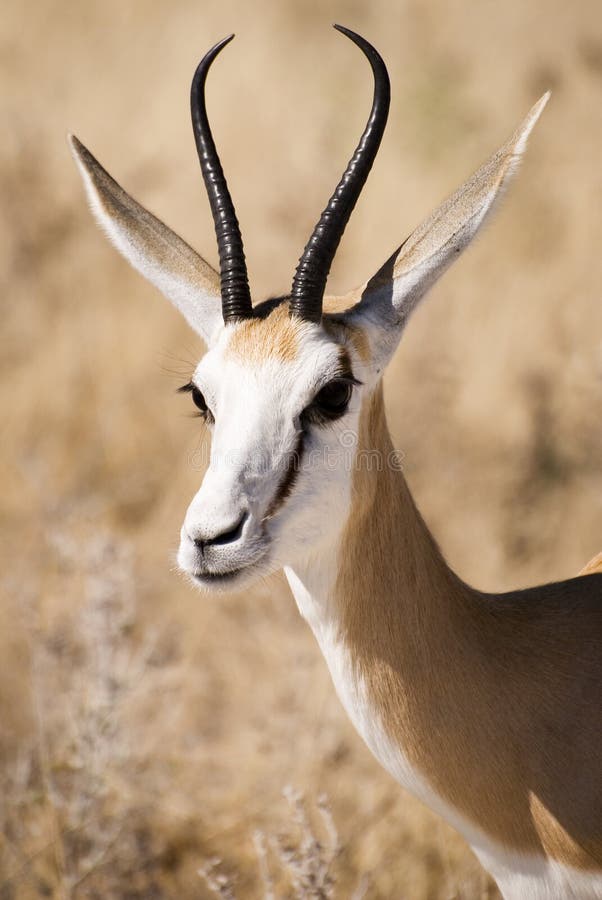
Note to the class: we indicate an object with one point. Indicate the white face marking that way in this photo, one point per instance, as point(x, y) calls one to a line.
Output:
point(258, 408)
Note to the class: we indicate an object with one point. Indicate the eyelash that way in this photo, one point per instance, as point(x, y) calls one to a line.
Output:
point(199, 401)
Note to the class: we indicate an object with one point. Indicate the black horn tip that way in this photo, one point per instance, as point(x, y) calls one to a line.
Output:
point(344, 29)
point(220, 44)
point(203, 67)
point(354, 36)
point(367, 49)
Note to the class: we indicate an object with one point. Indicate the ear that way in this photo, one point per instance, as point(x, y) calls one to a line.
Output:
point(163, 258)
point(387, 300)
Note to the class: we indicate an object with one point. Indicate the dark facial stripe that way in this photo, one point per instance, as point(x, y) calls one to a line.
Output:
point(285, 487)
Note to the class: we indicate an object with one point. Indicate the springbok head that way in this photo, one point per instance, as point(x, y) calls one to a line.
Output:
point(282, 382)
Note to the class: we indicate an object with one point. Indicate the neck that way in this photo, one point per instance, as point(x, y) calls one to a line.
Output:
point(381, 578)
point(394, 622)
point(391, 618)
point(439, 679)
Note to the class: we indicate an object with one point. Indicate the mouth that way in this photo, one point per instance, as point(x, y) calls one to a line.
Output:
point(216, 579)
point(229, 567)
point(229, 579)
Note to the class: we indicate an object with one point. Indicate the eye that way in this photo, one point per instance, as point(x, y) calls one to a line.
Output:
point(330, 402)
point(198, 399)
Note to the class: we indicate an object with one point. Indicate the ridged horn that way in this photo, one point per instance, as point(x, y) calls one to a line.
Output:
point(309, 282)
point(236, 297)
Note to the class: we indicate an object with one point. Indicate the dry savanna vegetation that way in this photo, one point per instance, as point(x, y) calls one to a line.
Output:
point(147, 733)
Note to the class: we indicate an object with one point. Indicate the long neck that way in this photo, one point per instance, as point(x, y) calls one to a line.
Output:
point(449, 687)
point(388, 612)
point(387, 553)
point(382, 578)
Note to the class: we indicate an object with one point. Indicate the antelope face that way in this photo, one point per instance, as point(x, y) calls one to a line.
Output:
point(280, 386)
point(281, 396)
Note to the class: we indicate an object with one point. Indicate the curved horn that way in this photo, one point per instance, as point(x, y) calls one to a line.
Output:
point(236, 297)
point(311, 274)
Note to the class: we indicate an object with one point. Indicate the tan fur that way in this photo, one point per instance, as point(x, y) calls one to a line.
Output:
point(278, 336)
point(274, 337)
point(349, 332)
point(491, 698)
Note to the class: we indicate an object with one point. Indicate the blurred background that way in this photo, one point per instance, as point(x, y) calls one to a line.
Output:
point(147, 731)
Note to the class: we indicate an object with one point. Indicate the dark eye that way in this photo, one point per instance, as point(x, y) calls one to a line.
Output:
point(198, 399)
point(330, 402)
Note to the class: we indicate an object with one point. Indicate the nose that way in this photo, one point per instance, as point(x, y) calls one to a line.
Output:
point(224, 537)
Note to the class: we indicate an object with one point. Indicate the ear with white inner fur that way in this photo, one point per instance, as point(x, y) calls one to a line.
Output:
point(389, 297)
point(151, 247)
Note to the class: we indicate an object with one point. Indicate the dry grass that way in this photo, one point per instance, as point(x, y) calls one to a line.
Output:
point(299, 865)
point(144, 730)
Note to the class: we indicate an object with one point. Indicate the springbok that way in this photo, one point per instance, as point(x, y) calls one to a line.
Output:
point(487, 707)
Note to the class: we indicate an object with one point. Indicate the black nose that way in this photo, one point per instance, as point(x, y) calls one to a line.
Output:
point(226, 537)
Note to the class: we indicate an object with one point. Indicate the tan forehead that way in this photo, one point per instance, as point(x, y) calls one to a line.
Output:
point(278, 336)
